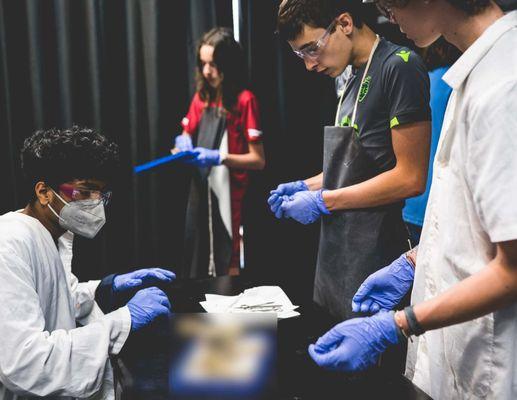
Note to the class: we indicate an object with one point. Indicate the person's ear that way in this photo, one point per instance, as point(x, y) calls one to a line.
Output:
point(345, 23)
point(43, 193)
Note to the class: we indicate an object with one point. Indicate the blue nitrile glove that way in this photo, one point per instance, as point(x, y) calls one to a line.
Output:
point(284, 189)
point(147, 305)
point(183, 142)
point(141, 277)
point(305, 207)
point(290, 188)
point(385, 288)
point(356, 344)
point(275, 203)
point(205, 157)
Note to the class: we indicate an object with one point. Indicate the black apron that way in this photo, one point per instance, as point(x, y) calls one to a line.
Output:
point(208, 241)
point(353, 243)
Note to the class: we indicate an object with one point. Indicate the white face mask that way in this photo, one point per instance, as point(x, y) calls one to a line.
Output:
point(83, 217)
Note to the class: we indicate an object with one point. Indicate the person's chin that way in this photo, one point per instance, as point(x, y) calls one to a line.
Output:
point(324, 71)
point(421, 42)
point(333, 73)
point(420, 39)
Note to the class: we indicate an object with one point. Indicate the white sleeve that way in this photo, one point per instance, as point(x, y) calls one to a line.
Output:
point(83, 293)
point(492, 160)
point(85, 307)
point(35, 362)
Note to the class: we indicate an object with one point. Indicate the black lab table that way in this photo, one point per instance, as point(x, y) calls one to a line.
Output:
point(142, 368)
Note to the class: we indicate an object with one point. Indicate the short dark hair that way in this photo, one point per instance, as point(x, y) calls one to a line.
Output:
point(56, 156)
point(470, 7)
point(229, 60)
point(294, 14)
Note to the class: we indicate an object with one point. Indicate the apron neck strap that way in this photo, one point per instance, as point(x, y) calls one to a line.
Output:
point(372, 52)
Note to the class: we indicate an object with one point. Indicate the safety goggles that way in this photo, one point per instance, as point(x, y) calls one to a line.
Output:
point(79, 193)
point(313, 51)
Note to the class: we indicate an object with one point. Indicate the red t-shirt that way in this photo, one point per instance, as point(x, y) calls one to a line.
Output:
point(243, 127)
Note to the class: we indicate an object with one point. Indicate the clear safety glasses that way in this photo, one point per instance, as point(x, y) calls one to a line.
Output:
point(313, 51)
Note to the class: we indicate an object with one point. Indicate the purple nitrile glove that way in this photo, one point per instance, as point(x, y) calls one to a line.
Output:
point(356, 344)
point(141, 277)
point(147, 305)
point(183, 142)
point(305, 207)
point(385, 288)
point(284, 189)
point(205, 157)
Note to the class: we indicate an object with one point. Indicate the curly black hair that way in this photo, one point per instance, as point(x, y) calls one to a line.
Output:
point(294, 14)
point(56, 156)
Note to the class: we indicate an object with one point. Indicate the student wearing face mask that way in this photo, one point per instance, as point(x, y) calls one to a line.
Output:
point(223, 122)
point(42, 351)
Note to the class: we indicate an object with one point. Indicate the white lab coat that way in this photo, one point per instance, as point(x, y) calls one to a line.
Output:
point(42, 353)
point(472, 206)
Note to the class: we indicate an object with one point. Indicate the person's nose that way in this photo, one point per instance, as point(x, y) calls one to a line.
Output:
point(310, 64)
point(206, 71)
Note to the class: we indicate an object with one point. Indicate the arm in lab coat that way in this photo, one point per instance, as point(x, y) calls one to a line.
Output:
point(85, 306)
point(66, 362)
point(83, 293)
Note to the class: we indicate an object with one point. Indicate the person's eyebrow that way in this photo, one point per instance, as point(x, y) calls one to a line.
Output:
point(312, 43)
point(89, 185)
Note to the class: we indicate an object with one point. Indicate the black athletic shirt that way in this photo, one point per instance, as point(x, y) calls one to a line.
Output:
point(395, 92)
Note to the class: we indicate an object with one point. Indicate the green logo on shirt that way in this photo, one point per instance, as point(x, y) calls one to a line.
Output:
point(404, 54)
point(364, 88)
point(346, 121)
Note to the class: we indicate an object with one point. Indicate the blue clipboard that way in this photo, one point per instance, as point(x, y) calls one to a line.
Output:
point(182, 155)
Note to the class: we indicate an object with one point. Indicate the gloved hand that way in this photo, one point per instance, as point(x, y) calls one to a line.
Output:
point(141, 277)
point(205, 157)
point(147, 305)
point(284, 189)
point(290, 188)
point(356, 344)
point(183, 142)
point(305, 207)
point(275, 203)
point(385, 288)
